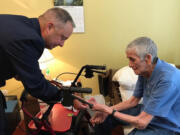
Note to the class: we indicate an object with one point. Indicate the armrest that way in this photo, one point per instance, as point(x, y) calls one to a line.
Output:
point(108, 87)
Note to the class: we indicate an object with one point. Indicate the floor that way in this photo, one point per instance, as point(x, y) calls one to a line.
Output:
point(20, 130)
point(118, 131)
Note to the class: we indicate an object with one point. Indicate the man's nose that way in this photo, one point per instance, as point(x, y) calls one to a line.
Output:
point(61, 43)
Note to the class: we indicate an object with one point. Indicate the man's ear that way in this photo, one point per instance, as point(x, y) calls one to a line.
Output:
point(49, 27)
point(148, 59)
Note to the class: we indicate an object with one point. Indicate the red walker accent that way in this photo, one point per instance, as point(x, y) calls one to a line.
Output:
point(60, 119)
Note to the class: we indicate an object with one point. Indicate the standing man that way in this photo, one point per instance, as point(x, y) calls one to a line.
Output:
point(158, 85)
point(22, 41)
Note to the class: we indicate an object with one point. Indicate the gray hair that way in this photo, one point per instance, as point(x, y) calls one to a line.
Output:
point(57, 15)
point(144, 46)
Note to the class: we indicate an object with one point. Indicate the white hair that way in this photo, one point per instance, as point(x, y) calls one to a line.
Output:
point(144, 46)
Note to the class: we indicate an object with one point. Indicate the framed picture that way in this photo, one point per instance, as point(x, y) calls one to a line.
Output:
point(76, 10)
point(68, 2)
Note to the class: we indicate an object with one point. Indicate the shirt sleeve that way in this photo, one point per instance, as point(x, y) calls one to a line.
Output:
point(24, 57)
point(162, 98)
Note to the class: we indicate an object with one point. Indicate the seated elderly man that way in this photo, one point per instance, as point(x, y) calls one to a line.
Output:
point(158, 85)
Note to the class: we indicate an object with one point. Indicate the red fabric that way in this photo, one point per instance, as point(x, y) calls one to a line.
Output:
point(60, 118)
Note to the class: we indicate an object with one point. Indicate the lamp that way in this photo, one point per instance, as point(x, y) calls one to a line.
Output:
point(45, 59)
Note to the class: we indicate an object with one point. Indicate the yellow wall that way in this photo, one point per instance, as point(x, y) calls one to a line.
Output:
point(109, 26)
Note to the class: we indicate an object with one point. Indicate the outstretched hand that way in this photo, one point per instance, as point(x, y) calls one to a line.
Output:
point(79, 105)
point(98, 118)
point(100, 115)
point(100, 107)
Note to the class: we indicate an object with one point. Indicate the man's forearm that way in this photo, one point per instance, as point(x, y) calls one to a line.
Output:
point(141, 121)
point(126, 104)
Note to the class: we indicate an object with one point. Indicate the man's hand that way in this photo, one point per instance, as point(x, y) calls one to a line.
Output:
point(98, 118)
point(78, 105)
point(102, 112)
point(100, 107)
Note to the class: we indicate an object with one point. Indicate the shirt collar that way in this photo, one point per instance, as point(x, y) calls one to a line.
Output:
point(155, 71)
point(36, 25)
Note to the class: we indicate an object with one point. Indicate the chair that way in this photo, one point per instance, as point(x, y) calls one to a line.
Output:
point(120, 84)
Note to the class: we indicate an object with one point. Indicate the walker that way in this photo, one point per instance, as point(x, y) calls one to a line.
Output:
point(63, 121)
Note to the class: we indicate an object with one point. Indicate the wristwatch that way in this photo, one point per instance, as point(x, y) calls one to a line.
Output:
point(112, 114)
